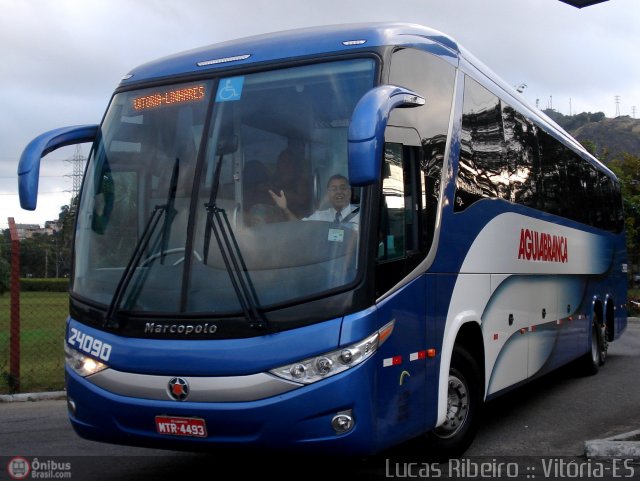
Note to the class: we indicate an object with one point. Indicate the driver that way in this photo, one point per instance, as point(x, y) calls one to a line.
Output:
point(339, 196)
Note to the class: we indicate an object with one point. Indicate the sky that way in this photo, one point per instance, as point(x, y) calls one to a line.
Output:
point(60, 60)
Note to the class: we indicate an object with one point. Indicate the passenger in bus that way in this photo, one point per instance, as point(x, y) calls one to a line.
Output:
point(258, 207)
point(339, 196)
point(289, 178)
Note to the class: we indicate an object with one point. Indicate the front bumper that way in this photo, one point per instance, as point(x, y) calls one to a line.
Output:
point(299, 419)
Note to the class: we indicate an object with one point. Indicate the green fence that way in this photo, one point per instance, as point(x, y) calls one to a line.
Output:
point(42, 322)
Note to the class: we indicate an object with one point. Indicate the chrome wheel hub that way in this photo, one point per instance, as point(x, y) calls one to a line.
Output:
point(457, 407)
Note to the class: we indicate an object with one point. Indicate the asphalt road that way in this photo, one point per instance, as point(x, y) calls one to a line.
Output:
point(551, 417)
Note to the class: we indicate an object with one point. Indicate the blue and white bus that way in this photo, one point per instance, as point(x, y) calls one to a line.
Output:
point(217, 302)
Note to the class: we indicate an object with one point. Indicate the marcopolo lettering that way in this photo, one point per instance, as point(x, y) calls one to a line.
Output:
point(540, 246)
point(182, 329)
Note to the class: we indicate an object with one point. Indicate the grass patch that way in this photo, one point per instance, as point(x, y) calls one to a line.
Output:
point(42, 322)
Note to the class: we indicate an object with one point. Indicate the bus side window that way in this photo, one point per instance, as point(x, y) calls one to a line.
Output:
point(483, 171)
point(398, 223)
point(400, 244)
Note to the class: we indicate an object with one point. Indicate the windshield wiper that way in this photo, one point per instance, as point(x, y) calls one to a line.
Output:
point(142, 244)
point(170, 210)
point(218, 223)
point(129, 270)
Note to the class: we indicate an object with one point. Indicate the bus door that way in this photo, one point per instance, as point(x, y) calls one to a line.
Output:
point(402, 391)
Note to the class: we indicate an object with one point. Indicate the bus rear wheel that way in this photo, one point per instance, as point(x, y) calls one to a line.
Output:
point(597, 354)
point(464, 402)
point(603, 342)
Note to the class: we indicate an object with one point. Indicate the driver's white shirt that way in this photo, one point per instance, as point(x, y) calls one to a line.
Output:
point(329, 215)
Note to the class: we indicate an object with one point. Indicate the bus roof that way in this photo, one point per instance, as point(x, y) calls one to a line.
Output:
point(288, 44)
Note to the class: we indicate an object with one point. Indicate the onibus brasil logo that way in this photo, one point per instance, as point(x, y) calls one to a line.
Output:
point(20, 468)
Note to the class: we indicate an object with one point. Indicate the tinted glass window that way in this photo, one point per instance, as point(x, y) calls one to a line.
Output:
point(483, 170)
point(433, 78)
point(521, 146)
point(505, 155)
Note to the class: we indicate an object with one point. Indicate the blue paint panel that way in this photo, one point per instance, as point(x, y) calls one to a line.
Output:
point(402, 404)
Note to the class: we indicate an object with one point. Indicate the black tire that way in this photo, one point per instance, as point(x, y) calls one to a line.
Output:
point(465, 401)
point(603, 343)
point(597, 354)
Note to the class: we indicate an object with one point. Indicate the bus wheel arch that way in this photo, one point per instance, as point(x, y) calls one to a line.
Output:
point(462, 388)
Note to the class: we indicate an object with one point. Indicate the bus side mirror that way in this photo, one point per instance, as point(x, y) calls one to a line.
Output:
point(29, 166)
point(366, 130)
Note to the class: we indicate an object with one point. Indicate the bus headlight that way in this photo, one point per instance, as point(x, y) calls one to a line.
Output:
point(331, 363)
point(81, 364)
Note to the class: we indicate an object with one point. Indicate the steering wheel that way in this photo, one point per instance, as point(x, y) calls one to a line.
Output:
point(175, 250)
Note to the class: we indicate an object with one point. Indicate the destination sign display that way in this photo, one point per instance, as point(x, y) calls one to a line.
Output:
point(170, 97)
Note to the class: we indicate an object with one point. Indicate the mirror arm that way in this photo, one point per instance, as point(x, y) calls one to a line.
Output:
point(29, 165)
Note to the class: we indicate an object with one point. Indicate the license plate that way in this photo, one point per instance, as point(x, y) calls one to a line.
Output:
point(179, 426)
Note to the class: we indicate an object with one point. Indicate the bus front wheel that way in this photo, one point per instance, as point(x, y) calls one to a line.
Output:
point(464, 402)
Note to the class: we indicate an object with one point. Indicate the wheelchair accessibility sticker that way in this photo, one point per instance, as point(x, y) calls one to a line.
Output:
point(230, 89)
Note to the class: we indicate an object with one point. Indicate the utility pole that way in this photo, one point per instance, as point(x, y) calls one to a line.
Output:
point(617, 99)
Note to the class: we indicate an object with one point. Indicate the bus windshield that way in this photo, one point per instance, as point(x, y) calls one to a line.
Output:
point(208, 196)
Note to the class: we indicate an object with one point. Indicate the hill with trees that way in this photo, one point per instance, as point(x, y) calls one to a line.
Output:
point(611, 138)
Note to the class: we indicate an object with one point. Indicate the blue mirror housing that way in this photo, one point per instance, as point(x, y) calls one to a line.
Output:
point(29, 166)
point(366, 130)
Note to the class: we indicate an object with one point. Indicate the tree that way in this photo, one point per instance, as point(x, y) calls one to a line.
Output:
point(34, 257)
point(590, 146)
point(627, 169)
point(66, 221)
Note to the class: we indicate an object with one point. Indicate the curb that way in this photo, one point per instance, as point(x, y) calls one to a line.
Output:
point(625, 445)
point(33, 396)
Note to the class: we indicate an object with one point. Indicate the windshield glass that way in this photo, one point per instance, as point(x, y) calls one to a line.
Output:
point(224, 195)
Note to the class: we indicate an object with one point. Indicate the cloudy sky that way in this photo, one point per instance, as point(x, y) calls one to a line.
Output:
point(60, 60)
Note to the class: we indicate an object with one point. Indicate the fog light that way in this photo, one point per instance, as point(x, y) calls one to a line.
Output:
point(343, 422)
point(71, 406)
